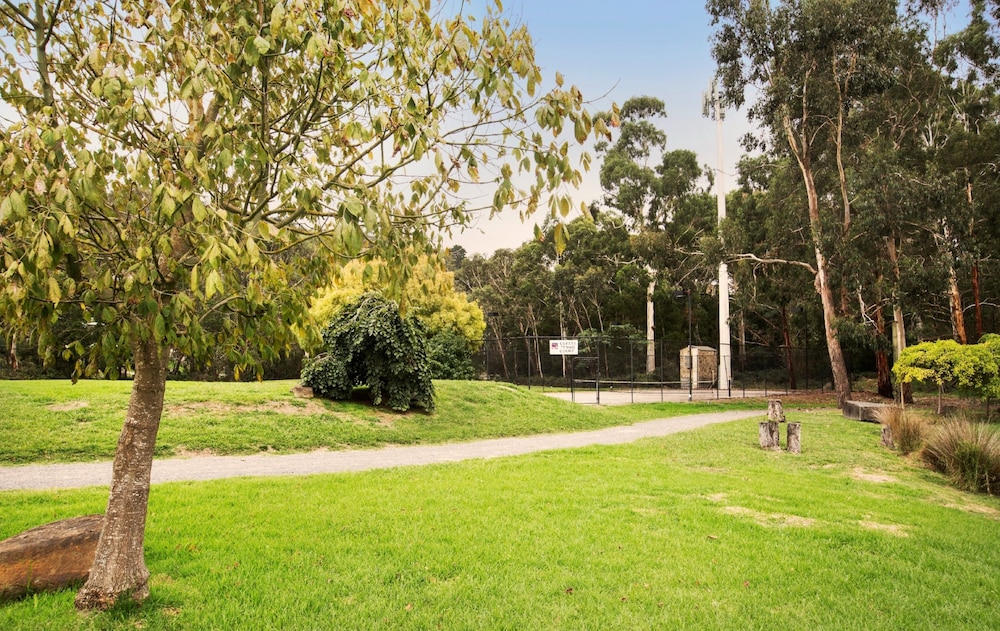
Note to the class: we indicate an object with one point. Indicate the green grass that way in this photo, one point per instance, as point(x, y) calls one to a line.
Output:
point(56, 421)
point(699, 530)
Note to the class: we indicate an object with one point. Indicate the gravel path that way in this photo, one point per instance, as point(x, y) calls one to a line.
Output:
point(64, 476)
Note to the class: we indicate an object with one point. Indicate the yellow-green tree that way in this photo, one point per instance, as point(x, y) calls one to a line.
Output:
point(428, 294)
point(166, 163)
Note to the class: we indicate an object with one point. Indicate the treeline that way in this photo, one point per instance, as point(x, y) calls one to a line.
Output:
point(864, 217)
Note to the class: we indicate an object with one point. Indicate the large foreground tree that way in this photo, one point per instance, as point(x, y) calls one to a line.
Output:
point(167, 163)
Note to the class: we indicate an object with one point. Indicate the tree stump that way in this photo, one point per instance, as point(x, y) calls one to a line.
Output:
point(887, 437)
point(795, 438)
point(775, 412)
point(770, 436)
point(50, 557)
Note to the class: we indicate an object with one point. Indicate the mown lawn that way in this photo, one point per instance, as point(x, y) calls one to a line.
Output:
point(57, 421)
point(699, 530)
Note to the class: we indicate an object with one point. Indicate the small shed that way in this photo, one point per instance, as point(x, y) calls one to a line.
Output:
point(703, 363)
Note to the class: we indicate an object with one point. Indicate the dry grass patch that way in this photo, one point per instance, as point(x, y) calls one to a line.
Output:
point(770, 520)
point(977, 509)
point(879, 478)
point(305, 408)
point(67, 406)
point(892, 529)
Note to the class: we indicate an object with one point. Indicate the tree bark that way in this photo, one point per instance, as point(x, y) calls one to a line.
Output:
point(775, 411)
point(898, 325)
point(887, 440)
point(794, 438)
point(882, 371)
point(977, 301)
point(12, 356)
point(119, 564)
point(957, 314)
point(800, 149)
point(770, 436)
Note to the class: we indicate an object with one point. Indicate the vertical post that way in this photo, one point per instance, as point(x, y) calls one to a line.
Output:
point(690, 352)
point(725, 335)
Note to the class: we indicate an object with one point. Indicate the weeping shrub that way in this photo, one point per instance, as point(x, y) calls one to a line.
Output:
point(907, 429)
point(968, 453)
point(368, 343)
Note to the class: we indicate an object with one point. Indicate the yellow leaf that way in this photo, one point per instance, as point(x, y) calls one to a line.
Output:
point(55, 291)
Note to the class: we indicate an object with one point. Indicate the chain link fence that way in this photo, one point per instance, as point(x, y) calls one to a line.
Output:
point(624, 363)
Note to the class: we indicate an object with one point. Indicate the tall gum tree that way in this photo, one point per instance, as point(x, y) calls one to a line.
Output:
point(164, 163)
point(809, 63)
point(657, 193)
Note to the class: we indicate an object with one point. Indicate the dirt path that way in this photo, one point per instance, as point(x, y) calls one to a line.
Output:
point(63, 476)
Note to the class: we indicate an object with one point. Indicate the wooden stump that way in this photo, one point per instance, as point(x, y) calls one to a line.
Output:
point(795, 438)
point(775, 412)
point(770, 436)
point(887, 437)
point(49, 557)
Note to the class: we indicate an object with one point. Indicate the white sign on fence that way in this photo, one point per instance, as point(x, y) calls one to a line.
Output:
point(564, 347)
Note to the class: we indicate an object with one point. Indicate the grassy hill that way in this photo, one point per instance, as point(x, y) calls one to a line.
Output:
point(58, 421)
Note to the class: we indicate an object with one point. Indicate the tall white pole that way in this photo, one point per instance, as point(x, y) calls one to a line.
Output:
point(725, 336)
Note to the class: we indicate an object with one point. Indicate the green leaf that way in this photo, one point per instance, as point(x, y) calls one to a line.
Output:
point(213, 284)
point(17, 206)
point(159, 327)
point(198, 209)
point(261, 44)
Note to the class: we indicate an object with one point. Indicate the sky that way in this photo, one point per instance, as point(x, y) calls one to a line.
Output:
point(613, 51)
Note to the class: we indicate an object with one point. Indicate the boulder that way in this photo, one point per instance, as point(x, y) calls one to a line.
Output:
point(50, 557)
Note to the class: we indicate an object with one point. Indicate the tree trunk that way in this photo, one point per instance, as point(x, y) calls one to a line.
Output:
point(841, 381)
point(977, 301)
point(13, 353)
point(770, 436)
point(898, 325)
point(794, 438)
point(119, 564)
point(884, 377)
point(801, 149)
point(887, 440)
point(957, 314)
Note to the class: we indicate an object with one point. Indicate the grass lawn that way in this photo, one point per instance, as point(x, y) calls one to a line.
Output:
point(699, 530)
point(57, 421)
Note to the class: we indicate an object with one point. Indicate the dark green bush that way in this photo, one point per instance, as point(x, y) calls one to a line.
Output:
point(968, 453)
point(368, 343)
point(450, 356)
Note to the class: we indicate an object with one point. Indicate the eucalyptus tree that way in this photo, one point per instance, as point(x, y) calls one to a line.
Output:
point(164, 163)
point(808, 65)
point(657, 192)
